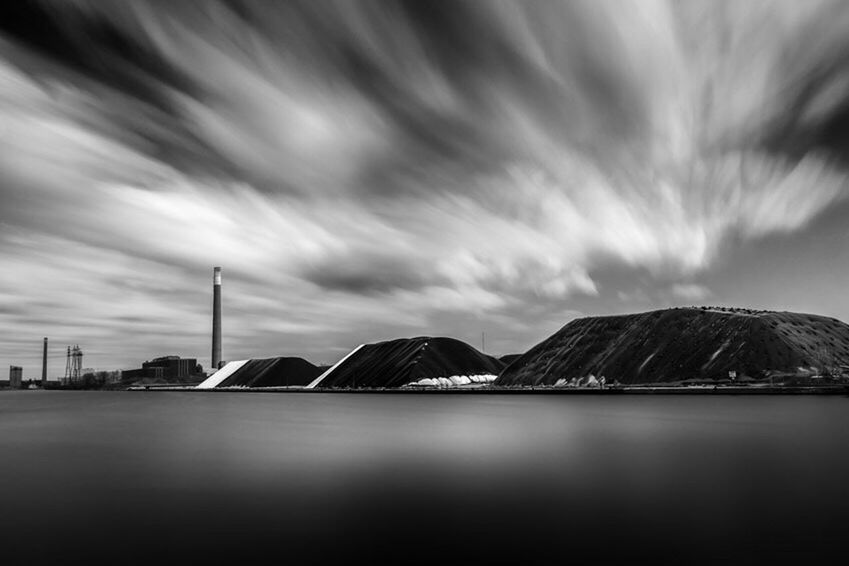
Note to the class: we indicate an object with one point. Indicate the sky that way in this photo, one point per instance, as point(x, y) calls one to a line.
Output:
point(371, 170)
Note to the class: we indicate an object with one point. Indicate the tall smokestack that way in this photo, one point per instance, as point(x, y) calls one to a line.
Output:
point(216, 317)
point(44, 365)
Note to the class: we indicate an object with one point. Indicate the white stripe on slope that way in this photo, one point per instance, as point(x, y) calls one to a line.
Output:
point(216, 378)
point(318, 379)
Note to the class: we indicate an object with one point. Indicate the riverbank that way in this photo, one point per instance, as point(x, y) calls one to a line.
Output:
point(642, 390)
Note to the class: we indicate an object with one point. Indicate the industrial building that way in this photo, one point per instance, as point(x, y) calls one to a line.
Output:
point(16, 377)
point(216, 318)
point(166, 368)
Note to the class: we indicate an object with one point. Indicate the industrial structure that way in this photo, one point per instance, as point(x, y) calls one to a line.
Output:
point(216, 318)
point(74, 364)
point(167, 368)
point(16, 377)
point(44, 365)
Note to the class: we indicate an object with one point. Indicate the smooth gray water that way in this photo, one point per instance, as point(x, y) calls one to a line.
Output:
point(136, 476)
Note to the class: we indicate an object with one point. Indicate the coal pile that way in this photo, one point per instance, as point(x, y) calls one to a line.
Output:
point(396, 363)
point(271, 372)
point(685, 345)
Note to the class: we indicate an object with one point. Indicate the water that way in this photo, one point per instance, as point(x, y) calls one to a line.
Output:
point(143, 477)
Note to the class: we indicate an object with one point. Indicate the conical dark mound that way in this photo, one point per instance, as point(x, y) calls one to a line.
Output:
point(399, 362)
point(273, 372)
point(684, 344)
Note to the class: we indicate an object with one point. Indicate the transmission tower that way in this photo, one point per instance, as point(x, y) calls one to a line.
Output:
point(73, 364)
point(78, 363)
point(68, 367)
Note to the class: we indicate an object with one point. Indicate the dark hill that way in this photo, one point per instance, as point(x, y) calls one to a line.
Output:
point(396, 363)
point(684, 344)
point(509, 358)
point(272, 372)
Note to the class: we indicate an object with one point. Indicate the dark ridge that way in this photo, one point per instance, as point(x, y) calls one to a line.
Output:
point(396, 363)
point(682, 344)
point(508, 359)
point(273, 372)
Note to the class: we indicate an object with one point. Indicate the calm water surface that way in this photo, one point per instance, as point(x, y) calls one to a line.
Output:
point(142, 477)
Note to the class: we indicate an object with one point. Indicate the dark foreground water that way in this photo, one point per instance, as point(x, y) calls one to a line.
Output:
point(135, 477)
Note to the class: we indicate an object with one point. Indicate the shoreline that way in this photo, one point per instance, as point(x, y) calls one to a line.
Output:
point(660, 390)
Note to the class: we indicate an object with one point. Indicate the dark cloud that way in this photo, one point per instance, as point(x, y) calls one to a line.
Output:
point(89, 44)
point(812, 88)
point(369, 273)
point(797, 134)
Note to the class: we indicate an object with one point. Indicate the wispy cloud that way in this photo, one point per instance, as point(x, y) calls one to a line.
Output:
point(690, 291)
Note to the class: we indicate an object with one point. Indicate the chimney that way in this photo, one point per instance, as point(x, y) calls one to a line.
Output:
point(44, 365)
point(216, 317)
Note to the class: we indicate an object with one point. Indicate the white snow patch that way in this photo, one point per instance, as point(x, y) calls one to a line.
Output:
point(213, 380)
point(453, 381)
point(588, 381)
